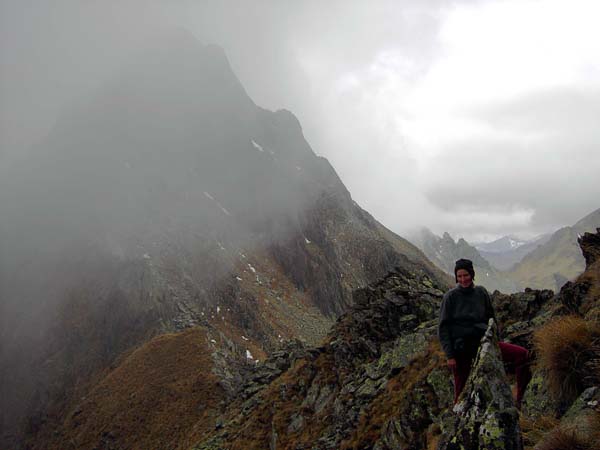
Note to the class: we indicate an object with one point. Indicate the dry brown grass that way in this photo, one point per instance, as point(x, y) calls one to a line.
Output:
point(163, 395)
point(584, 435)
point(397, 400)
point(534, 429)
point(568, 348)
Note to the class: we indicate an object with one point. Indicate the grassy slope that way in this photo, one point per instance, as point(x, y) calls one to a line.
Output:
point(560, 255)
point(162, 395)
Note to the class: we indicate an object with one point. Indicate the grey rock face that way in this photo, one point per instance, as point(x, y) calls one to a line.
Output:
point(590, 247)
point(486, 417)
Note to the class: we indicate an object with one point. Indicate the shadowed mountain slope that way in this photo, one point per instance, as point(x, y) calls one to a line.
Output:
point(168, 200)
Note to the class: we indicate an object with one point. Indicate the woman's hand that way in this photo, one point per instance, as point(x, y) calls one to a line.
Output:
point(452, 364)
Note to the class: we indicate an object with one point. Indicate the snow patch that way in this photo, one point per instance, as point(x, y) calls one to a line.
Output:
point(252, 268)
point(221, 246)
point(306, 240)
point(248, 354)
point(245, 338)
point(213, 341)
point(146, 256)
point(257, 146)
point(515, 244)
point(218, 309)
point(207, 195)
point(238, 278)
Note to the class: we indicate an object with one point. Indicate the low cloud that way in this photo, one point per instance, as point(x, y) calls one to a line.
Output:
point(474, 116)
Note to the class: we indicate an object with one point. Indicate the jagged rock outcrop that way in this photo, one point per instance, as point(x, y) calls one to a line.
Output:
point(590, 247)
point(520, 313)
point(486, 416)
point(325, 398)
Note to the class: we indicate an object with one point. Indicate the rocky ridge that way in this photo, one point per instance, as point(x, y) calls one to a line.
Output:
point(379, 380)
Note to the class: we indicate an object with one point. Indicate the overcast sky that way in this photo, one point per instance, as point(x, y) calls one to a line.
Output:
point(475, 117)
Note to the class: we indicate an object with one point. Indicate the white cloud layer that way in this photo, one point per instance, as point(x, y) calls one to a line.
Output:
point(494, 133)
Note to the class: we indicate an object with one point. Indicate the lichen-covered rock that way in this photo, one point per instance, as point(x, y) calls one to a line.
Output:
point(404, 349)
point(443, 387)
point(579, 428)
point(486, 417)
point(588, 403)
point(537, 401)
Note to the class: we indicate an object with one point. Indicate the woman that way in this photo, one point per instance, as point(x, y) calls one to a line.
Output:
point(464, 316)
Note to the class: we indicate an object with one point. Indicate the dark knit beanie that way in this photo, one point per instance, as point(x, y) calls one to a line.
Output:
point(465, 264)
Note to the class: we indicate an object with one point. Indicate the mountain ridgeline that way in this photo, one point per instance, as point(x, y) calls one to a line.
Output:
point(557, 260)
point(510, 265)
point(507, 251)
point(165, 201)
point(444, 251)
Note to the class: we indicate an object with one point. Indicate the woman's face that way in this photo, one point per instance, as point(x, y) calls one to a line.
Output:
point(464, 278)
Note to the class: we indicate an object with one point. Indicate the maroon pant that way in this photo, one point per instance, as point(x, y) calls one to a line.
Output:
point(516, 360)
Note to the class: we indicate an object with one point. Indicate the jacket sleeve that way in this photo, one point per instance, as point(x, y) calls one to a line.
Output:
point(489, 308)
point(444, 327)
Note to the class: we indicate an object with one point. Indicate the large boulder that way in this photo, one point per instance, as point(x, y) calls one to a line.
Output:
point(485, 415)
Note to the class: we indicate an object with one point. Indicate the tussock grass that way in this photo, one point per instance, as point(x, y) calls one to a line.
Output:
point(582, 436)
point(568, 348)
point(534, 429)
